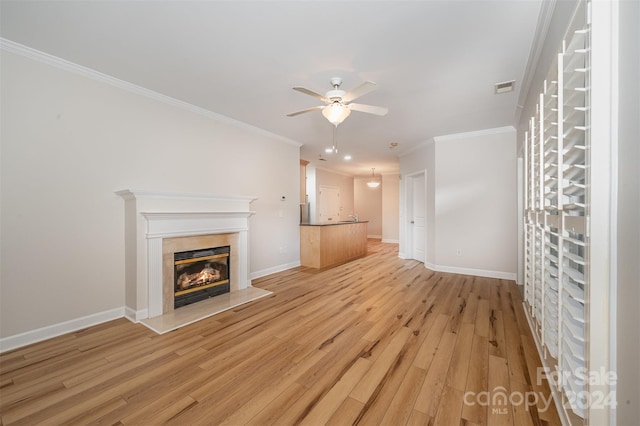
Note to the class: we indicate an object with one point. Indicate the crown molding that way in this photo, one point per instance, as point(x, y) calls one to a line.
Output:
point(415, 148)
point(475, 133)
point(542, 28)
point(39, 56)
point(454, 136)
point(335, 172)
point(382, 174)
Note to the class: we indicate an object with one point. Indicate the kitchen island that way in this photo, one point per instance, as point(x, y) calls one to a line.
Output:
point(331, 243)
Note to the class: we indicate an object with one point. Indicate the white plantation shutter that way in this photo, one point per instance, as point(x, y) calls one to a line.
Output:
point(556, 220)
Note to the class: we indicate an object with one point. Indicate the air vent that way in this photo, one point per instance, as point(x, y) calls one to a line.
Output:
point(504, 87)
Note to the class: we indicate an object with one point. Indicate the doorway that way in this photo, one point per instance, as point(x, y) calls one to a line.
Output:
point(416, 199)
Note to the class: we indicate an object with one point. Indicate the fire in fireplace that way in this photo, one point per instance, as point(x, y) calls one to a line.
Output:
point(200, 274)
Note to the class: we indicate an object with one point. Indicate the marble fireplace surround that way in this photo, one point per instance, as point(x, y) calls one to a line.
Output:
point(157, 224)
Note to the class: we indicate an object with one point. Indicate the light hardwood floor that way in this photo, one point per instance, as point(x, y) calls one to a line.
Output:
point(380, 340)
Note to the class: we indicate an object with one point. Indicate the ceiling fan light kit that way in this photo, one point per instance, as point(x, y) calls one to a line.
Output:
point(336, 113)
point(338, 104)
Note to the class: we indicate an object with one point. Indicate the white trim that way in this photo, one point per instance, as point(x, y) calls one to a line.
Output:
point(604, 121)
point(475, 133)
point(135, 316)
point(335, 172)
point(564, 419)
point(613, 204)
point(129, 194)
point(391, 240)
point(44, 333)
point(197, 215)
point(273, 270)
point(196, 232)
point(520, 194)
point(423, 144)
point(36, 55)
point(365, 177)
point(406, 205)
point(539, 38)
point(470, 271)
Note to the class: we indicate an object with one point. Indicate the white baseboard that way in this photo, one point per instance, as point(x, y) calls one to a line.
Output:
point(431, 266)
point(475, 272)
point(375, 237)
point(135, 316)
point(44, 333)
point(387, 240)
point(273, 270)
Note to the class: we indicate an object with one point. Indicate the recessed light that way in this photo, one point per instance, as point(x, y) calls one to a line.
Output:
point(347, 157)
point(328, 150)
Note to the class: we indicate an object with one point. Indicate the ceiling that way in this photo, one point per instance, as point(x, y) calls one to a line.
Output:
point(435, 62)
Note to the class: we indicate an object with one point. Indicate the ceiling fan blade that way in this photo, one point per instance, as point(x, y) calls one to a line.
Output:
point(370, 109)
point(363, 89)
point(312, 93)
point(293, 114)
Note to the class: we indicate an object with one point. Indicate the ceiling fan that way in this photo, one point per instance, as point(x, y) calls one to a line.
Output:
point(338, 103)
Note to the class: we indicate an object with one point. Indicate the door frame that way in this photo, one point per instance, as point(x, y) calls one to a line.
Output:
point(405, 219)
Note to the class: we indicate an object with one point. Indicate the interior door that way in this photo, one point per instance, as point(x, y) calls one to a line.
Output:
point(417, 217)
point(329, 204)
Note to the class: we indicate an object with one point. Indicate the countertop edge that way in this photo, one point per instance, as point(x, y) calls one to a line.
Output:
point(333, 223)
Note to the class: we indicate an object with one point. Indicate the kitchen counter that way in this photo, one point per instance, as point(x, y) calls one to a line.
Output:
point(344, 222)
point(331, 243)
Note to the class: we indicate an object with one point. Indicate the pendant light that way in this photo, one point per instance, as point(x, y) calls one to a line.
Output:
point(373, 183)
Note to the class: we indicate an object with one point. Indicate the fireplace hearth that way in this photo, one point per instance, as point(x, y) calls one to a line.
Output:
point(200, 274)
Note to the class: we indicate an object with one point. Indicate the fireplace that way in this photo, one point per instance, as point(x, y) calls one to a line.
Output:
point(200, 274)
point(159, 224)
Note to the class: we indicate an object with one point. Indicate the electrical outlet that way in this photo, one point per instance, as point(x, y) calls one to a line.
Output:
point(459, 252)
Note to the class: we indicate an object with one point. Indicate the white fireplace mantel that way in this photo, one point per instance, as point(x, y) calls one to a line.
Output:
point(151, 217)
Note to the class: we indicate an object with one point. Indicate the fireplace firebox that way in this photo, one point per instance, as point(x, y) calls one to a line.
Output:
point(200, 274)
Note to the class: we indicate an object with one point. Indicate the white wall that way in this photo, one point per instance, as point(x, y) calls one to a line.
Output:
point(390, 208)
point(628, 212)
point(69, 142)
point(476, 201)
point(471, 202)
point(368, 205)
